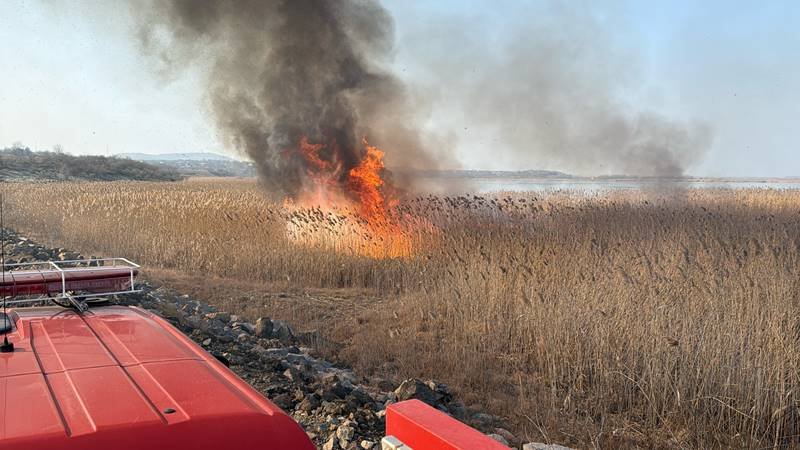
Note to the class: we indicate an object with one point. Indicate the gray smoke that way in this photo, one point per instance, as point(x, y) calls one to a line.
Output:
point(282, 69)
point(551, 85)
point(549, 90)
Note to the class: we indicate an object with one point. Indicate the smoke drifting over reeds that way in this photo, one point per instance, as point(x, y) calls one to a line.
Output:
point(548, 85)
point(551, 94)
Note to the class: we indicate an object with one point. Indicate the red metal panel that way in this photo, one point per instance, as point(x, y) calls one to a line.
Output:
point(25, 362)
point(158, 394)
point(135, 338)
point(106, 380)
point(32, 412)
point(422, 427)
point(65, 342)
point(75, 418)
point(114, 402)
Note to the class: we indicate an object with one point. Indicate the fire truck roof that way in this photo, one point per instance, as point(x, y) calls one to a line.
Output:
point(123, 378)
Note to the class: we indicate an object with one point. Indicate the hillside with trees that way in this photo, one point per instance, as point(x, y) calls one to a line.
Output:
point(19, 163)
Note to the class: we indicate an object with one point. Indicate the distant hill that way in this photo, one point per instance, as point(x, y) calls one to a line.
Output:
point(198, 164)
point(24, 164)
point(192, 156)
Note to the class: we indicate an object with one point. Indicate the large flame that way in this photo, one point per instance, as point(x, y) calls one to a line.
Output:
point(346, 213)
point(320, 183)
point(365, 182)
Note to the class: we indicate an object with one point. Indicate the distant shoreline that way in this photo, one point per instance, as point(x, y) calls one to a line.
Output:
point(552, 176)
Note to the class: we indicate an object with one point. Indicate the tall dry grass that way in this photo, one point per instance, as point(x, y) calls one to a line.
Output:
point(621, 319)
point(221, 226)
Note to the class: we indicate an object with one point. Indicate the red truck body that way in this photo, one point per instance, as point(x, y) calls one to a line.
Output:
point(122, 378)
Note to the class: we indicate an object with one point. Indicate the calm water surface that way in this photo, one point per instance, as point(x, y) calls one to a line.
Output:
point(486, 185)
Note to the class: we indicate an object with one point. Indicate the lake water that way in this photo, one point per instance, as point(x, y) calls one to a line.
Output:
point(485, 185)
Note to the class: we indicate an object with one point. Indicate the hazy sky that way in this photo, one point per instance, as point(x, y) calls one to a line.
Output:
point(72, 74)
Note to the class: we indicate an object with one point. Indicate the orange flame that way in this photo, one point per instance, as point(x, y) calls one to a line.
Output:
point(310, 153)
point(320, 186)
point(366, 229)
point(365, 182)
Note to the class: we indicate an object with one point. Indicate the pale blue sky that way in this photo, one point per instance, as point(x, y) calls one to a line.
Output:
point(72, 75)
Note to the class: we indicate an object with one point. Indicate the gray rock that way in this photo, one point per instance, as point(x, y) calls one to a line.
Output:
point(282, 331)
point(458, 410)
point(309, 403)
point(483, 418)
point(297, 358)
point(333, 391)
point(332, 443)
point(214, 326)
point(68, 256)
point(293, 374)
point(202, 308)
point(225, 337)
point(284, 401)
point(170, 311)
point(263, 328)
point(331, 407)
point(499, 439)
point(222, 316)
point(345, 434)
point(507, 435)
point(248, 327)
point(194, 321)
point(347, 377)
point(386, 385)
point(361, 397)
point(540, 446)
point(416, 389)
point(276, 352)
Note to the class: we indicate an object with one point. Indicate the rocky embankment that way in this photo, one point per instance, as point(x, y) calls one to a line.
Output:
point(337, 408)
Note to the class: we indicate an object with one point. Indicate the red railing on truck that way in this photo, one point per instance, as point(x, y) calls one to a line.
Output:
point(55, 279)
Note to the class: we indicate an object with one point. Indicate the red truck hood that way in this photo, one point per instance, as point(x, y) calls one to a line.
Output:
point(112, 377)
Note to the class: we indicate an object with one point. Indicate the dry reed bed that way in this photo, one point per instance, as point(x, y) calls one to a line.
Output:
point(621, 319)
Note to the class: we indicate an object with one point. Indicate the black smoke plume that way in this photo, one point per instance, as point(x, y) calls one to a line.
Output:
point(550, 94)
point(279, 70)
